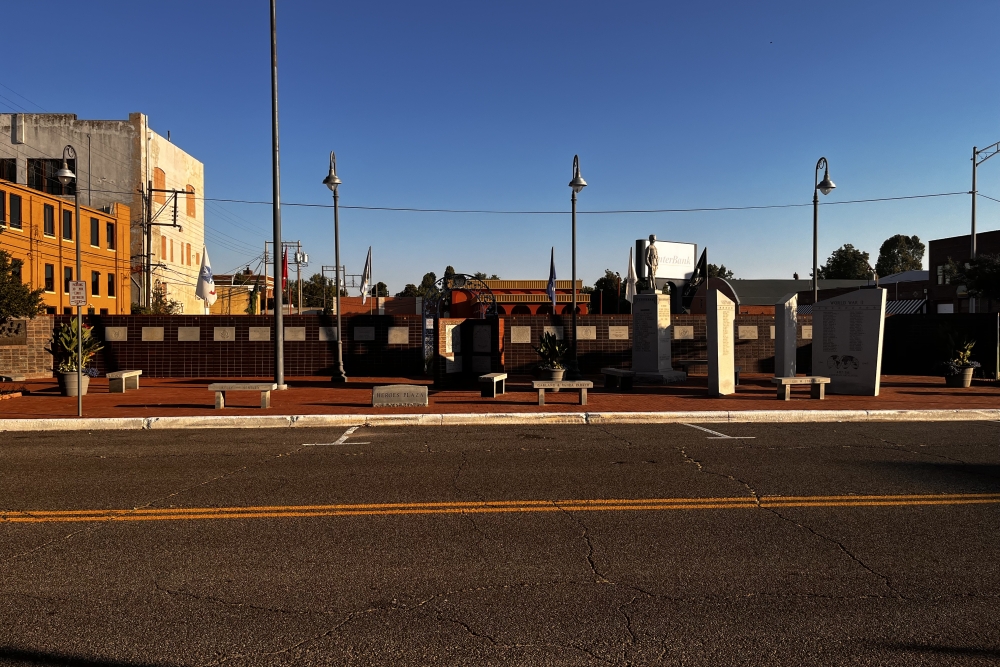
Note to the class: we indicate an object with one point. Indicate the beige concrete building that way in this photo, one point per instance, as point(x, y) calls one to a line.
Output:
point(121, 161)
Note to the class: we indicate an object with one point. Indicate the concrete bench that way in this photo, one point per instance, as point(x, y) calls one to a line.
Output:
point(10, 377)
point(618, 378)
point(817, 386)
point(119, 381)
point(492, 384)
point(581, 385)
point(220, 389)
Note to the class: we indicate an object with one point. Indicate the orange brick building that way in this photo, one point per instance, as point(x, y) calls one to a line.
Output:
point(528, 297)
point(39, 229)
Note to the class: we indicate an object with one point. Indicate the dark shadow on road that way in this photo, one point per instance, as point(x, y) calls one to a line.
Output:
point(946, 477)
point(16, 656)
point(937, 649)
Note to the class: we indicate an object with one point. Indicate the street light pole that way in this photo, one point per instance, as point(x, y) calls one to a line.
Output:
point(333, 182)
point(66, 176)
point(986, 154)
point(825, 186)
point(578, 184)
point(279, 325)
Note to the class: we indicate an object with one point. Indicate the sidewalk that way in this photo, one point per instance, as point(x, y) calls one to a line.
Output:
point(189, 397)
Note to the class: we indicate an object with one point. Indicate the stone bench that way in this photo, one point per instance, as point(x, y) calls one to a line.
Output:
point(817, 386)
point(10, 377)
point(119, 381)
point(492, 384)
point(581, 385)
point(220, 389)
point(618, 378)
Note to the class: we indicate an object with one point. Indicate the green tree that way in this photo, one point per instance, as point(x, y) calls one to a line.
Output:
point(161, 305)
point(409, 290)
point(16, 299)
point(482, 276)
point(846, 263)
point(900, 253)
point(380, 289)
point(719, 272)
point(612, 288)
point(981, 276)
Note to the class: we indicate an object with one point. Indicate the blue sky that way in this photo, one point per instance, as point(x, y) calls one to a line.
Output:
point(483, 105)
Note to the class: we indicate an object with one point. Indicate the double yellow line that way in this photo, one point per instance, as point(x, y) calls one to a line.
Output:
point(490, 507)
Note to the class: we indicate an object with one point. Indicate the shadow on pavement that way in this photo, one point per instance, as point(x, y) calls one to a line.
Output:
point(15, 656)
point(937, 649)
point(948, 477)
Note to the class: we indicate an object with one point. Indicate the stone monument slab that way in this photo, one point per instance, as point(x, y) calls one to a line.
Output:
point(399, 335)
point(651, 339)
point(520, 335)
point(399, 395)
point(295, 333)
point(189, 334)
point(115, 333)
point(721, 316)
point(481, 338)
point(225, 334)
point(849, 347)
point(618, 333)
point(784, 335)
point(152, 334)
point(364, 333)
point(260, 333)
point(586, 333)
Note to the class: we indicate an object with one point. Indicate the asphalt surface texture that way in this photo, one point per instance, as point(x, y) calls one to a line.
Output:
point(729, 544)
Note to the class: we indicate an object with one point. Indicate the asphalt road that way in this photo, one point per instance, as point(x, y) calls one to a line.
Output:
point(811, 544)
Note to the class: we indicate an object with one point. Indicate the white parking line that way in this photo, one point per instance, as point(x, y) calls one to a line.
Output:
point(342, 440)
point(721, 436)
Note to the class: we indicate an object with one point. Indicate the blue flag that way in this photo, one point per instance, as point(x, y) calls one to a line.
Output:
point(551, 288)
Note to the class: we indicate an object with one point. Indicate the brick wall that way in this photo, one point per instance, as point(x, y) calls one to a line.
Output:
point(31, 359)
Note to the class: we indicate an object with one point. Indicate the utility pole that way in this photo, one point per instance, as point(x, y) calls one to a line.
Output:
point(298, 273)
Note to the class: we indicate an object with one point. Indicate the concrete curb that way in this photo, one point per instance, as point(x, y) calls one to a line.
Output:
point(488, 419)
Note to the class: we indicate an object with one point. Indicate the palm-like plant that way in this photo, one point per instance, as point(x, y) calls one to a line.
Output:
point(64, 346)
point(552, 351)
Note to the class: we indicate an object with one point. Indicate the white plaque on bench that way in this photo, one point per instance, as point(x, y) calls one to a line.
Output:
point(683, 332)
point(295, 333)
point(152, 334)
point(520, 335)
point(399, 395)
point(189, 334)
point(747, 332)
point(555, 331)
point(224, 334)
point(328, 333)
point(586, 333)
point(260, 333)
point(364, 333)
point(618, 333)
point(399, 335)
point(849, 347)
point(115, 333)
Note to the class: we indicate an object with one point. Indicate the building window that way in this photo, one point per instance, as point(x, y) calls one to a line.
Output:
point(163, 248)
point(159, 183)
point(50, 310)
point(8, 169)
point(68, 310)
point(50, 220)
point(192, 210)
point(15, 270)
point(68, 225)
point(104, 311)
point(197, 258)
point(189, 254)
point(171, 250)
point(111, 285)
point(42, 176)
point(95, 232)
point(67, 277)
point(15, 211)
point(3, 208)
point(50, 280)
point(111, 236)
point(95, 283)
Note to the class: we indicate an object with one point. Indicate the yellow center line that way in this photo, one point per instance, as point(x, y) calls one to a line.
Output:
point(491, 507)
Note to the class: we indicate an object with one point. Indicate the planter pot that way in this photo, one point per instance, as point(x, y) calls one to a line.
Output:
point(963, 379)
point(552, 375)
point(67, 383)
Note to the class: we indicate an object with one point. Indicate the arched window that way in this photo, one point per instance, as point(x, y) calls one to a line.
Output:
point(192, 210)
point(159, 183)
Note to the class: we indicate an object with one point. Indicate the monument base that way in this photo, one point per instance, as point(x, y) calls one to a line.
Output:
point(662, 377)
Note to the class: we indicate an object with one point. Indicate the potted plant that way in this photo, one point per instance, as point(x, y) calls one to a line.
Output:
point(958, 371)
point(553, 353)
point(64, 349)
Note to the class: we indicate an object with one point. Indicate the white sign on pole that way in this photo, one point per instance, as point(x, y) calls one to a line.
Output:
point(77, 293)
point(676, 260)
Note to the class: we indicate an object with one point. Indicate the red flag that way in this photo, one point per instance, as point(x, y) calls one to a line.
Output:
point(284, 271)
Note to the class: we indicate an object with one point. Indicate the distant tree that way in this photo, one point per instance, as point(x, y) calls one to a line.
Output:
point(409, 290)
point(482, 276)
point(449, 271)
point(719, 272)
point(428, 286)
point(846, 263)
point(380, 289)
point(162, 304)
point(981, 276)
point(900, 253)
point(16, 299)
point(612, 288)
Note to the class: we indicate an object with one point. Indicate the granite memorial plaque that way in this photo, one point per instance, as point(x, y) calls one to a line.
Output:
point(651, 338)
point(295, 333)
point(807, 332)
point(771, 328)
point(481, 338)
point(747, 332)
point(399, 395)
point(683, 333)
point(260, 333)
point(225, 334)
point(721, 316)
point(328, 333)
point(13, 332)
point(399, 335)
point(849, 347)
point(115, 333)
point(520, 334)
point(152, 334)
point(555, 331)
point(189, 334)
point(586, 333)
point(783, 333)
point(364, 333)
point(618, 333)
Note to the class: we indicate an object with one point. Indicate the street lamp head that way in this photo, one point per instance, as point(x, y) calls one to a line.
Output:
point(331, 181)
point(825, 186)
point(577, 183)
point(66, 175)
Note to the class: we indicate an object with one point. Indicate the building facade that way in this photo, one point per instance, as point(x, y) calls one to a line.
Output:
point(120, 162)
point(943, 295)
point(39, 231)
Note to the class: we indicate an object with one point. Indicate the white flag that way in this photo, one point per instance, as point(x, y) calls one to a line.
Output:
point(630, 282)
point(366, 276)
point(206, 283)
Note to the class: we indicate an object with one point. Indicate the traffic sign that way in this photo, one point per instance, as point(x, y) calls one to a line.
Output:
point(77, 293)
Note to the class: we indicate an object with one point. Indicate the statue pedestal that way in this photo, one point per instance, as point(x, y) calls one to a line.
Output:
point(651, 360)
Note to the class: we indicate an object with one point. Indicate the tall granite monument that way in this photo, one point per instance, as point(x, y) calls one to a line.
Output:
point(847, 341)
point(785, 329)
point(651, 339)
point(721, 318)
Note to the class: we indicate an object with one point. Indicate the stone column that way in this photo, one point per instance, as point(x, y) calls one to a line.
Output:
point(651, 358)
point(785, 330)
point(721, 316)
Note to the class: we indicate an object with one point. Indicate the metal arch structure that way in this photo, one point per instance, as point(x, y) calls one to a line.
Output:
point(484, 303)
